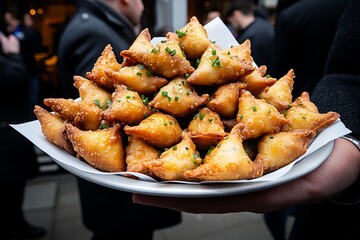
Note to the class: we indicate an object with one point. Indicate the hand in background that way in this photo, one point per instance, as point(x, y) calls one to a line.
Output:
point(339, 171)
point(9, 44)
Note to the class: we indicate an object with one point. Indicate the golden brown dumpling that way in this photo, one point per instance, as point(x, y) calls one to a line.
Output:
point(279, 149)
point(165, 59)
point(279, 94)
point(159, 129)
point(102, 149)
point(175, 160)
point(88, 117)
point(139, 152)
point(303, 114)
point(138, 78)
point(225, 99)
point(257, 81)
point(90, 92)
point(178, 98)
point(193, 39)
point(258, 116)
point(53, 128)
point(127, 106)
point(218, 67)
point(206, 129)
point(106, 60)
point(227, 161)
point(66, 108)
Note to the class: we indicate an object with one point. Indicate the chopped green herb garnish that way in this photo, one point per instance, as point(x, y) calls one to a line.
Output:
point(254, 108)
point(139, 73)
point(201, 116)
point(169, 51)
point(165, 94)
point(180, 33)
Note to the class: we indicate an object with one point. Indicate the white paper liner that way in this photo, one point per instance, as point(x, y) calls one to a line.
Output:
point(217, 31)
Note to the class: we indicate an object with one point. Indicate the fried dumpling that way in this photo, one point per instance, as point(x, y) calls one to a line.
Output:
point(193, 39)
point(279, 149)
point(139, 152)
point(159, 129)
point(225, 99)
point(178, 98)
point(258, 116)
point(257, 81)
point(66, 108)
point(206, 129)
point(165, 59)
point(103, 149)
point(303, 114)
point(53, 128)
point(106, 60)
point(138, 78)
point(280, 93)
point(218, 67)
point(91, 92)
point(227, 161)
point(174, 161)
point(127, 106)
point(88, 117)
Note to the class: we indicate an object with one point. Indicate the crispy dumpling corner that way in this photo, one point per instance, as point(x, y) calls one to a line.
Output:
point(103, 149)
point(53, 128)
point(279, 149)
point(227, 161)
point(107, 59)
point(178, 98)
point(173, 162)
point(159, 130)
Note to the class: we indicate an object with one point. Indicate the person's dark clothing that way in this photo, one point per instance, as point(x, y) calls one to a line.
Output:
point(303, 36)
point(108, 213)
point(338, 91)
point(18, 159)
point(261, 35)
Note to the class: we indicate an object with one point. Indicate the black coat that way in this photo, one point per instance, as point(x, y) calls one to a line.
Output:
point(18, 159)
point(105, 211)
point(304, 33)
point(338, 91)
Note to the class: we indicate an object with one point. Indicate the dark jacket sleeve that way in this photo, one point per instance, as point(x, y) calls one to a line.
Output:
point(339, 89)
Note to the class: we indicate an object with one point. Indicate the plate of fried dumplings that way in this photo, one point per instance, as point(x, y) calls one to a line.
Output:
point(185, 111)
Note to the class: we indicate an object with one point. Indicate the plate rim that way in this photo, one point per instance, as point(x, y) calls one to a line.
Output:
point(122, 183)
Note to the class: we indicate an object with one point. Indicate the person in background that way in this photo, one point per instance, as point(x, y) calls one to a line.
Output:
point(304, 34)
point(18, 160)
point(211, 15)
point(258, 30)
point(108, 213)
point(29, 45)
point(330, 194)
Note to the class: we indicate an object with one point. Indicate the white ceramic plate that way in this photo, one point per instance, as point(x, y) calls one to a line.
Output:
point(118, 182)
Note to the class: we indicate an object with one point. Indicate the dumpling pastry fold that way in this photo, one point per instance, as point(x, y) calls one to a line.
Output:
point(138, 78)
point(127, 106)
point(279, 149)
point(178, 98)
point(165, 59)
point(102, 149)
point(303, 114)
point(257, 81)
point(53, 128)
point(138, 152)
point(159, 129)
point(193, 39)
point(227, 161)
point(258, 116)
point(173, 162)
point(225, 99)
point(218, 67)
point(206, 129)
point(106, 60)
point(91, 92)
point(66, 108)
point(280, 93)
